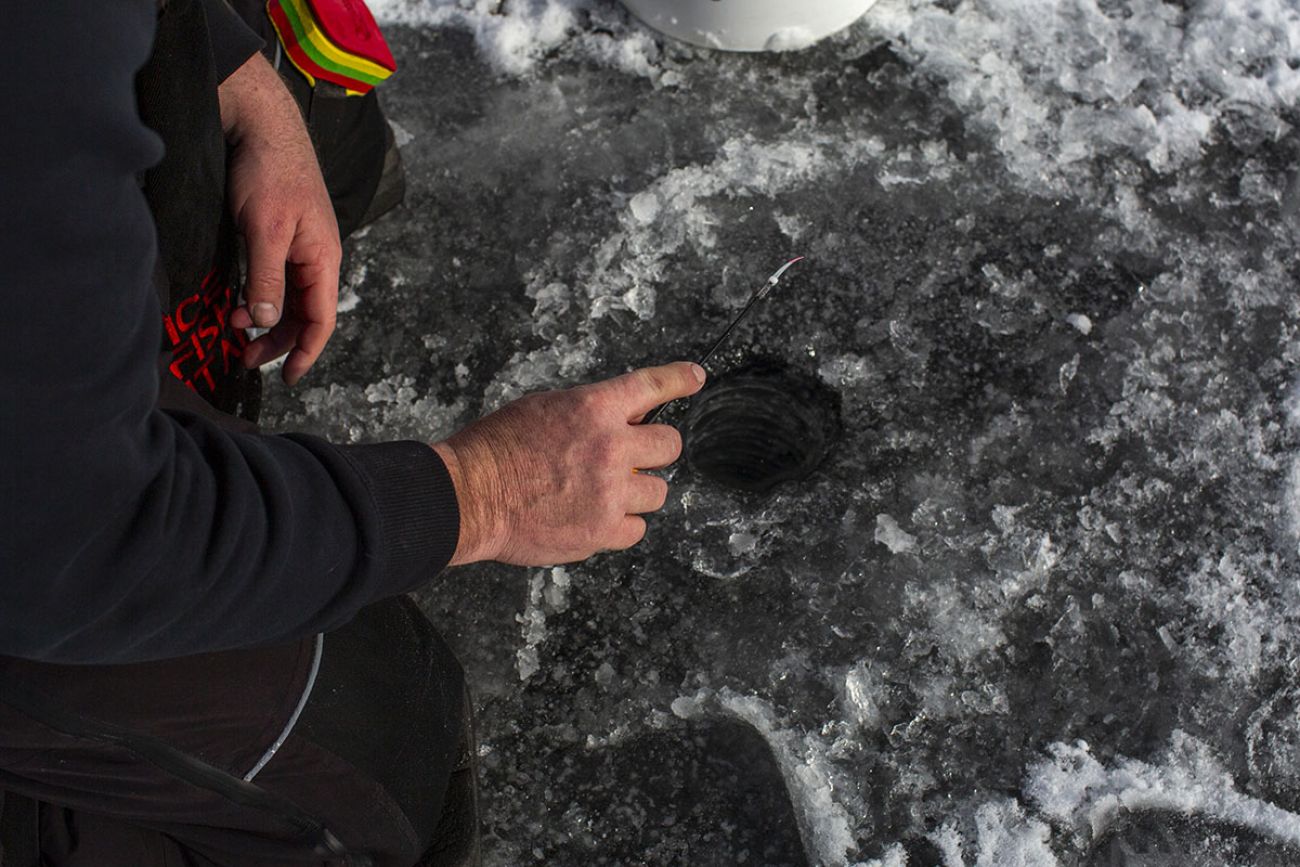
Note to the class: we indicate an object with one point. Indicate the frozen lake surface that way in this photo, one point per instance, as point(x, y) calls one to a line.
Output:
point(1038, 605)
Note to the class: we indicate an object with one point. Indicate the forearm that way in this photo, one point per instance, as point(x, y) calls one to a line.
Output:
point(255, 101)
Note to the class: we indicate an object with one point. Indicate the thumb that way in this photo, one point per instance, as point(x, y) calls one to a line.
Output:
point(264, 288)
point(642, 390)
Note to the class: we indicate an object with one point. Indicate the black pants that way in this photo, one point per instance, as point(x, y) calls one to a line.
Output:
point(368, 759)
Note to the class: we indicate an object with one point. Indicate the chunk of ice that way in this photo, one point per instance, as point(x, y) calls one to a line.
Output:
point(892, 536)
point(1079, 322)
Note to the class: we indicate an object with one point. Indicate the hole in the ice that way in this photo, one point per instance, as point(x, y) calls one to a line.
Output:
point(760, 426)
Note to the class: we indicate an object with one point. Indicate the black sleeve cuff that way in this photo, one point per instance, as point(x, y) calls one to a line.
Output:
point(231, 40)
point(416, 505)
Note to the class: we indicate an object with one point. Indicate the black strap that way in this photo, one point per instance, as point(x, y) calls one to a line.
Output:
point(20, 843)
point(183, 767)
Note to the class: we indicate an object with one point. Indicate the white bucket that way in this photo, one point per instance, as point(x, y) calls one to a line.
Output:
point(749, 25)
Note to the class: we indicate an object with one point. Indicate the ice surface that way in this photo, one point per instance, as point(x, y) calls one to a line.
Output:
point(1039, 604)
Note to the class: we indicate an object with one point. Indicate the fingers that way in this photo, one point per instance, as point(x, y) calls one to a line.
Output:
point(648, 494)
point(642, 390)
point(316, 306)
point(310, 343)
point(271, 345)
point(304, 329)
point(655, 446)
point(629, 532)
point(268, 249)
point(315, 259)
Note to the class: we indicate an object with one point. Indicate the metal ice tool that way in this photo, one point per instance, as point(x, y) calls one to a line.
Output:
point(760, 293)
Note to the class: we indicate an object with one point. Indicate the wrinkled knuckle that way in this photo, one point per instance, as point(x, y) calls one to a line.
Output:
point(654, 381)
point(265, 283)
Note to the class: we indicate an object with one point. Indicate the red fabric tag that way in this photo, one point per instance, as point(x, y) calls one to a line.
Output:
point(350, 26)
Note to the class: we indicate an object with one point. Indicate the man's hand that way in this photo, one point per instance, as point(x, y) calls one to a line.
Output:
point(552, 478)
point(281, 206)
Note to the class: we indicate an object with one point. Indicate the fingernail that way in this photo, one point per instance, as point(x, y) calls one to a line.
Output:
point(265, 314)
point(699, 373)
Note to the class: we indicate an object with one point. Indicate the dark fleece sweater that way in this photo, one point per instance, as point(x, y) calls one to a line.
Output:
point(128, 532)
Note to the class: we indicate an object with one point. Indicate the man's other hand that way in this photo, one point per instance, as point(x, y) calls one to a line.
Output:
point(553, 477)
point(281, 206)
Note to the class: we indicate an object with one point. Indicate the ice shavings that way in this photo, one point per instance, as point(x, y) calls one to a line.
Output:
point(675, 212)
point(1291, 500)
point(961, 626)
point(1075, 790)
point(1057, 83)
point(895, 856)
point(554, 365)
point(863, 687)
point(514, 36)
point(388, 409)
point(548, 593)
point(1004, 837)
point(532, 623)
point(349, 298)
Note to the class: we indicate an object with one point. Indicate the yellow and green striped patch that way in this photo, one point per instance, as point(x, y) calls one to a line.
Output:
point(311, 50)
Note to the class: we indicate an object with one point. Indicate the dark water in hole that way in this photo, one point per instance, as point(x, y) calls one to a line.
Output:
point(760, 426)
